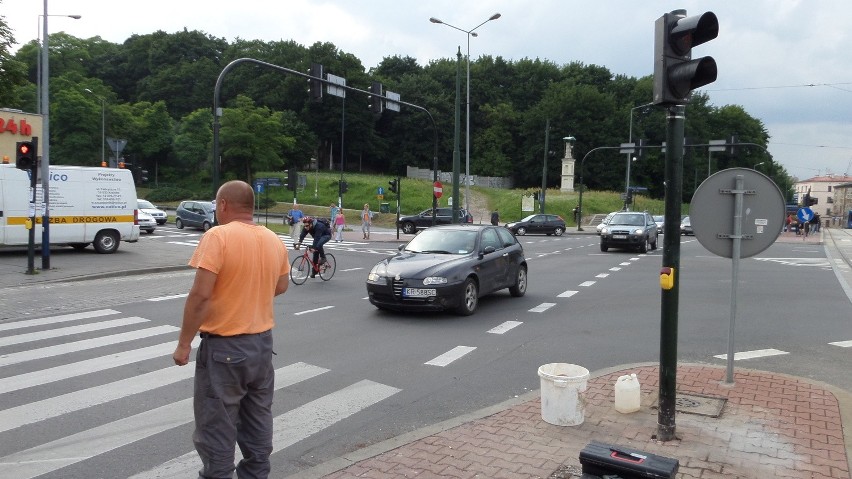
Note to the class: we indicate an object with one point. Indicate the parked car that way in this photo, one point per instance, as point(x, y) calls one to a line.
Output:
point(196, 214)
point(159, 215)
point(146, 222)
point(686, 226)
point(449, 268)
point(630, 229)
point(538, 224)
point(443, 216)
point(661, 221)
point(605, 221)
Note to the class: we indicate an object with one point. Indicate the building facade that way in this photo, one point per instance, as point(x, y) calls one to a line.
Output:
point(832, 195)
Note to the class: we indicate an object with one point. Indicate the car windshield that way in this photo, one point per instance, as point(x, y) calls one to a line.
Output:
point(628, 220)
point(529, 218)
point(442, 241)
point(658, 219)
point(146, 205)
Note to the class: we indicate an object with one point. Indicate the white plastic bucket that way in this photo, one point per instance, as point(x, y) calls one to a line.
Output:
point(627, 394)
point(563, 393)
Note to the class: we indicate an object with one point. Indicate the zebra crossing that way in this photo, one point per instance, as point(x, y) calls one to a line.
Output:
point(45, 352)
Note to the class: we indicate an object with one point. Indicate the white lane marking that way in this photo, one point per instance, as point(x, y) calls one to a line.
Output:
point(56, 319)
point(312, 310)
point(635, 258)
point(166, 298)
point(508, 325)
point(72, 347)
point(92, 442)
point(842, 344)
point(542, 307)
point(602, 275)
point(80, 368)
point(586, 284)
point(184, 243)
point(615, 268)
point(566, 294)
point(450, 356)
point(351, 269)
point(624, 264)
point(798, 261)
point(758, 353)
point(83, 328)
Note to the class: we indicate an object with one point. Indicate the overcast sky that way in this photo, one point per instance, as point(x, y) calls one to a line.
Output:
point(787, 62)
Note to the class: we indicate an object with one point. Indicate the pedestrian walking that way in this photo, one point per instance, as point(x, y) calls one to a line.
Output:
point(332, 214)
point(495, 217)
point(294, 219)
point(366, 220)
point(240, 268)
point(339, 224)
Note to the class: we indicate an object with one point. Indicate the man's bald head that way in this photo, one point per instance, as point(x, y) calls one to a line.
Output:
point(238, 194)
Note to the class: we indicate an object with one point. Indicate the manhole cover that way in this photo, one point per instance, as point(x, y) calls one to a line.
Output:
point(696, 404)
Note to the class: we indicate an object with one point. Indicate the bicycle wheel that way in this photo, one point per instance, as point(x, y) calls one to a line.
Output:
point(300, 269)
point(327, 268)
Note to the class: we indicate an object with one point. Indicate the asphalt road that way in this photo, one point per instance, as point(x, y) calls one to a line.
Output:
point(102, 400)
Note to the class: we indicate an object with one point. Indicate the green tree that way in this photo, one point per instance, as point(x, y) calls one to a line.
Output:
point(192, 147)
point(12, 71)
point(252, 139)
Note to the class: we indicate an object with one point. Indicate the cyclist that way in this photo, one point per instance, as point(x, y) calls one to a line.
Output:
point(321, 233)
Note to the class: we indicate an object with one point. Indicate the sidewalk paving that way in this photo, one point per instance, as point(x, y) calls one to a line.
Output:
point(771, 425)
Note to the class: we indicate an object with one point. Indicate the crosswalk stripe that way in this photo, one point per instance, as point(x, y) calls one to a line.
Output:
point(566, 294)
point(58, 373)
point(295, 425)
point(506, 326)
point(78, 447)
point(56, 319)
point(757, 353)
point(450, 356)
point(65, 348)
point(82, 328)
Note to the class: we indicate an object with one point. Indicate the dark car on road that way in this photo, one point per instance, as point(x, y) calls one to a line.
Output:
point(449, 268)
point(538, 224)
point(443, 216)
point(630, 230)
point(196, 214)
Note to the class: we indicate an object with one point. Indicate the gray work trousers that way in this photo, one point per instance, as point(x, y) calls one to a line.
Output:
point(234, 384)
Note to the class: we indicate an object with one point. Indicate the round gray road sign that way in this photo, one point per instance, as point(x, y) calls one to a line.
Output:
point(712, 212)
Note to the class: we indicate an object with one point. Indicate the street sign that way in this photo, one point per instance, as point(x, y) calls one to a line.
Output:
point(380, 191)
point(273, 181)
point(627, 148)
point(438, 189)
point(805, 214)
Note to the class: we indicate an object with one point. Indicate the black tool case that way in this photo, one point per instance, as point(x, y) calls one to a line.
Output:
point(600, 459)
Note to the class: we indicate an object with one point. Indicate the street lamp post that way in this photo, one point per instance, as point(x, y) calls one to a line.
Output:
point(38, 60)
point(103, 126)
point(629, 155)
point(758, 164)
point(469, 33)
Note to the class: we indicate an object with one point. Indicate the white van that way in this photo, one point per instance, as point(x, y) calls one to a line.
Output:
point(87, 206)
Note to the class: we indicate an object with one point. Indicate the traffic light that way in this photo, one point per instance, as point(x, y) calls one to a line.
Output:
point(641, 146)
point(376, 103)
point(732, 145)
point(142, 176)
point(394, 185)
point(292, 179)
point(25, 155)
point(314, 84)
point(675, 73)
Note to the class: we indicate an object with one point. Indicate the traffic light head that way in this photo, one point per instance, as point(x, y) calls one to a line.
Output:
point(394, 186)
point(314, 84)
point(25, 155)
point(292, 179)
point(376, 100)
point(676, 74)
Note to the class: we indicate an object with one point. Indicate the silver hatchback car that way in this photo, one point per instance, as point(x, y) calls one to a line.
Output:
point(196, 214)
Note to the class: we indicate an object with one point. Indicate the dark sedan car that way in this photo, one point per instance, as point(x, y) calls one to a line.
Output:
point(538, 224)
point(443, 216)
point(630, 230)
point(449, 268)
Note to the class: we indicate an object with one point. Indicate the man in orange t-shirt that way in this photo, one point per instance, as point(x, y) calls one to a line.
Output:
point(240, 268)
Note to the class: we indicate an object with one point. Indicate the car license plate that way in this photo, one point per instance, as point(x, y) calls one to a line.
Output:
point(619, 236)
point(418, 292)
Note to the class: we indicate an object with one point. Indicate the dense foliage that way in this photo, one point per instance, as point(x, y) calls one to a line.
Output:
point(157, 92)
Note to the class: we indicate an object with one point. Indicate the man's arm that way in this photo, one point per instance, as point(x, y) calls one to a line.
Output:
point(195, 311)
point(282, 285)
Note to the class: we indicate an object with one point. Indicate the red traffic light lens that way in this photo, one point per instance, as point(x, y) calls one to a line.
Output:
point(24, 149)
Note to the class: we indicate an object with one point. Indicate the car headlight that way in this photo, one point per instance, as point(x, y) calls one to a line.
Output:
point(639, 231)
point(434, 280)
point(604, 230)
point(376, 274)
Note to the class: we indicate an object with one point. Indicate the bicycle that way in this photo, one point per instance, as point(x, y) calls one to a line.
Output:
point(302, 266)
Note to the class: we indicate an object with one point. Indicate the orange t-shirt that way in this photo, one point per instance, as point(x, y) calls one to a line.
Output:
point(247, 260)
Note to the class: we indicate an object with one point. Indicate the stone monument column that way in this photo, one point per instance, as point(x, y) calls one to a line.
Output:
point(568, 165)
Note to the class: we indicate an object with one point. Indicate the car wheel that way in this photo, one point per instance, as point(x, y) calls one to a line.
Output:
point(206, 225)
point(558, 231)
point(654, 244)
point(470, 298)
point(643, 248)
point(604, 247)
point(179, 223)
point(409, 228)
point(521, 231)
point(106, 242)
point(520, 286)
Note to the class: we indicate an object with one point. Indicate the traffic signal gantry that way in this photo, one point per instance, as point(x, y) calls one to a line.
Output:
point(676, 74)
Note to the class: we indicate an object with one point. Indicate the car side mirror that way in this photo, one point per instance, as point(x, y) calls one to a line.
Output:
point(489, 249)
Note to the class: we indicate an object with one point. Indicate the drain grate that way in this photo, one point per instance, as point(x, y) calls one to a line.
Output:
point(697, 404)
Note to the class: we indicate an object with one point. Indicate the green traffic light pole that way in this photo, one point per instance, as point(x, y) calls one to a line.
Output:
point(216, 93)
